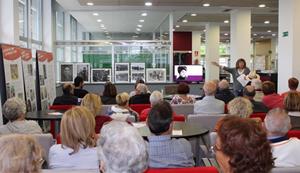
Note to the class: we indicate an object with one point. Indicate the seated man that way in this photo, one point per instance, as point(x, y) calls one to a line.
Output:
point(78, 91)
point(271, 99)
point(249, 93)
point(209, 104)
point(142, 95)
point(224, 93)
point(67, 98)
point(286, 152)
point(165, 152)
point(293, 85)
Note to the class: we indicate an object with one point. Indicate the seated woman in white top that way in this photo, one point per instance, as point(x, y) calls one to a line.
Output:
point(78, 144)
point(122, 111)
point(14, 110)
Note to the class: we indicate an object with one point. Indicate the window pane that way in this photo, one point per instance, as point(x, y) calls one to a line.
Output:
point(36, 19)
point(59, 25)
point(23, 18)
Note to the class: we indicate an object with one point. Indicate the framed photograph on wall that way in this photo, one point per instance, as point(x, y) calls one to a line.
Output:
point(83, 70)
point(122, 72)
point(101, 75)
point(136, 76)
point(137, 71)
point(156, 75)
point(66, 72)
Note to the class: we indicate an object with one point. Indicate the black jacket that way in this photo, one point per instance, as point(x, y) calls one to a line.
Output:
point(66, 100)
point(140, 99)
point(225, 95)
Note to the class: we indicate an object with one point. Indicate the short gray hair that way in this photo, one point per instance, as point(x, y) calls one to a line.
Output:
point(241, 107)
point(277, 122)
point(210, 88)
point(223, 84)
point(155, 97)
point(14, 108)
point(122, 148)
point(142, 88)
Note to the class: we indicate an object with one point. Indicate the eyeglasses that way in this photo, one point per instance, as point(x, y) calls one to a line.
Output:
point(215, 148)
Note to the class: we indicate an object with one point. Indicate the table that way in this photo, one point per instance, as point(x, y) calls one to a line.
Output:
point(170, 97)
point(189, 130)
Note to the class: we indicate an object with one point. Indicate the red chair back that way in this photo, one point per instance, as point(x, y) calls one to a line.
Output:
point(294, 133)
point(260, 115)
point(139, 107)
point(60, 107)
point(184, 170)
point(225, 109)
point(179, 117)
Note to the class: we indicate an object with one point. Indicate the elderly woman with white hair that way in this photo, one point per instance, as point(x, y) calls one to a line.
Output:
point(241, 107)
point(122, 149)
point(14, 110)
point(142, 95)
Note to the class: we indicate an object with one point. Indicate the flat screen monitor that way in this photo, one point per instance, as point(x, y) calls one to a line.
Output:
point(188, 73)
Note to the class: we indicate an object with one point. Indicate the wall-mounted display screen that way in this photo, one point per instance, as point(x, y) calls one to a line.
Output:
point(188, 73)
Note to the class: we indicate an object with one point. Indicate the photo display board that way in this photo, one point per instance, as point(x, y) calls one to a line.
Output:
point(137, 71)
point(13, 71)
point(29, 79)
point(47, 78)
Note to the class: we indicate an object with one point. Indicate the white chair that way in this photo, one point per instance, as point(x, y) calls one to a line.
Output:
point(105, 109)
point(46, 141)
point(286, 170)
point(184, 109)
point(207, 121)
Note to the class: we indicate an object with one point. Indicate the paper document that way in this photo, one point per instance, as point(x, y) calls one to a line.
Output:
point(139, 125)
point(55, 113)
point(243, 80)
point(177, 132)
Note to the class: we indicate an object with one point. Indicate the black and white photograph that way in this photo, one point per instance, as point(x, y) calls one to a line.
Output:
point(121, 67)
point(137, 67)
point(136, 76)
point(30, 69)
point(83, 70)
point(122, 77)
point(44, 71)
point(14, 71)
point(66, 72)
point(156, 75)
point(101, 75)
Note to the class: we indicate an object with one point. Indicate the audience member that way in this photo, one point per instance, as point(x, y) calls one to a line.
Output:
point(271, 99)
point(257, 84)
point(142, 95)
point(109, 94)
point(242, 146)
point(122, 149)
point(224, 93)
point(67, 98)
point(94, 104)
point(292, 106)
point(165, 152)
point(78, 90)
point(122, 111)
point(133, 93)
point(181, 97)
point(249, 93)
point(286, 152)
point(209, 104)
point(14, 110)
point(155, 98)
point(293, 85)
point(20, 154)
point(240, 107)
point(78, 144)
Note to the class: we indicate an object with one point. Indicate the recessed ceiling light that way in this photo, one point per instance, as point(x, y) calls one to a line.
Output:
point(89, 3)
point(138, 29)
point(273, 35)
point(267, 22)
point(141, 20)
point(184, 21)
point(269, 31)
point(173, 29)
point(204, 30)
point(193, 14)
point(177, 26)
point(226, 34)
point(99, 20)
point(206, 5)
point(255, 34)
point(226, 21)
point(102, 25)
point(144, 14)
point(96, 14)
point(139, 26)
point(251, 26)
point(261, 36)
point(148, 4)
point(262, 5)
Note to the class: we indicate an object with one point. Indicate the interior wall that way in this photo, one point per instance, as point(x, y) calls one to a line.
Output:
point(263, 47)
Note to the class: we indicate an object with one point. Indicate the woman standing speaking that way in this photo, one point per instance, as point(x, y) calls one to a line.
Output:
point(239, 69)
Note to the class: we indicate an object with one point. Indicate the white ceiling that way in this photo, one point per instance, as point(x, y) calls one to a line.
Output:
point(123, 15)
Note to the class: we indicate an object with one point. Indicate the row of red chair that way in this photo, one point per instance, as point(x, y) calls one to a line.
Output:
point(184, 170)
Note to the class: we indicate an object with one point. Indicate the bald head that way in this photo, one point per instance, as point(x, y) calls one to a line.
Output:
point(210, 88)
point(249, 91)
point(223, 84)
point(277, 122)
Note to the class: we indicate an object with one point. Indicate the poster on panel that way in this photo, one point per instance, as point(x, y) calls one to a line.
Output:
point(83, 70)
point(29, 79)
point(100, 75)
point(66, 72)
point(156, 75)
point(13, 71)
point(137, 71)
point(121, 72)
point(47, 78)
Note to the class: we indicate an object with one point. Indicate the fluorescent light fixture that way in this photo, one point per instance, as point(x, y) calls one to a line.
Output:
point(99, 20)
point(269, 31)
point(139, 26)
point(138, 29)
point(173, 29)
point(204, 30)
point(177, 26)
point(262, 5)
point(141, 20)
point(262, 37)
point(226, 21)
point(96, 14)
point(254, 34)
point(184, 21)
point(273, 35)
point(89, 3)
point(148, 4)
point(193, 14)
point(144, 14)
point(206, 5)
point(267, 22)
point(226, 34)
